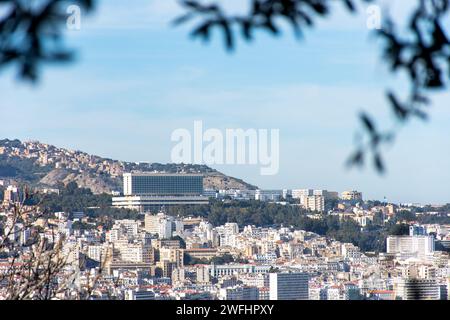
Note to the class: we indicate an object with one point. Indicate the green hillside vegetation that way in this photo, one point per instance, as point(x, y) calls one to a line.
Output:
point(263, 214)
point(73, 199)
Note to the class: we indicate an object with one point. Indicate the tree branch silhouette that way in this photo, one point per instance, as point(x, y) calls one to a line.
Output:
point(32, 268)
point(31, 33)
point(423, 54)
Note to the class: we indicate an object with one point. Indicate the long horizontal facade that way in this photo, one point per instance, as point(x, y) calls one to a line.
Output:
point(231, 269)
point(164, 184)
point(144, 203)
point(151, 191)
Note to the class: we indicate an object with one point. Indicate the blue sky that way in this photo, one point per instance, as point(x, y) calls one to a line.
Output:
point(137, 79)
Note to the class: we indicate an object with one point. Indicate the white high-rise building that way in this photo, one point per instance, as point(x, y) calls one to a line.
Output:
point(288, 286)
point(97, 252)
point(165, 229)
point(410, 246)
point(159, 224)
point(130, 226)
point(231, 228)
point(133, 252)
point(151, 222)
point(150, 191)
point(299, 193)
point(268, 195)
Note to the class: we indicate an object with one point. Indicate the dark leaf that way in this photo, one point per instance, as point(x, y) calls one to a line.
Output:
point(400, 111)
point(367, 123)
point(378, 162)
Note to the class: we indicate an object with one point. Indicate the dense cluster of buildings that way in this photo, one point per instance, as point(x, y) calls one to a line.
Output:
point(165, 257)
point(152, 191)
point(169, 257)
point(310, 199)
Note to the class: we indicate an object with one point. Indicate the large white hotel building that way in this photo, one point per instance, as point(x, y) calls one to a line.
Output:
point(152, 191)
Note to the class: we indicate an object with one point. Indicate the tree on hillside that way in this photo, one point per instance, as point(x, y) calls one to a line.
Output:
point(30, 263)
point(398, 229)
point(36, 263)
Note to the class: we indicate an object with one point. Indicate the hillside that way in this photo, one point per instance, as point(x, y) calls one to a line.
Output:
point(45, 165)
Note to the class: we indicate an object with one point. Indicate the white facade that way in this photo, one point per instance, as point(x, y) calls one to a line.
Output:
point(268, 195)
point(299, 193)
point(159, 224)
point(165, 229)
point(410, 246)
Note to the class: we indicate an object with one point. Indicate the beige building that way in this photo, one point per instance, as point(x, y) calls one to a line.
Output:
point(351, 195)
point(151, 222)
point(133, 252)
point(203, 275)
point(172, 255)
point(314, 203)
